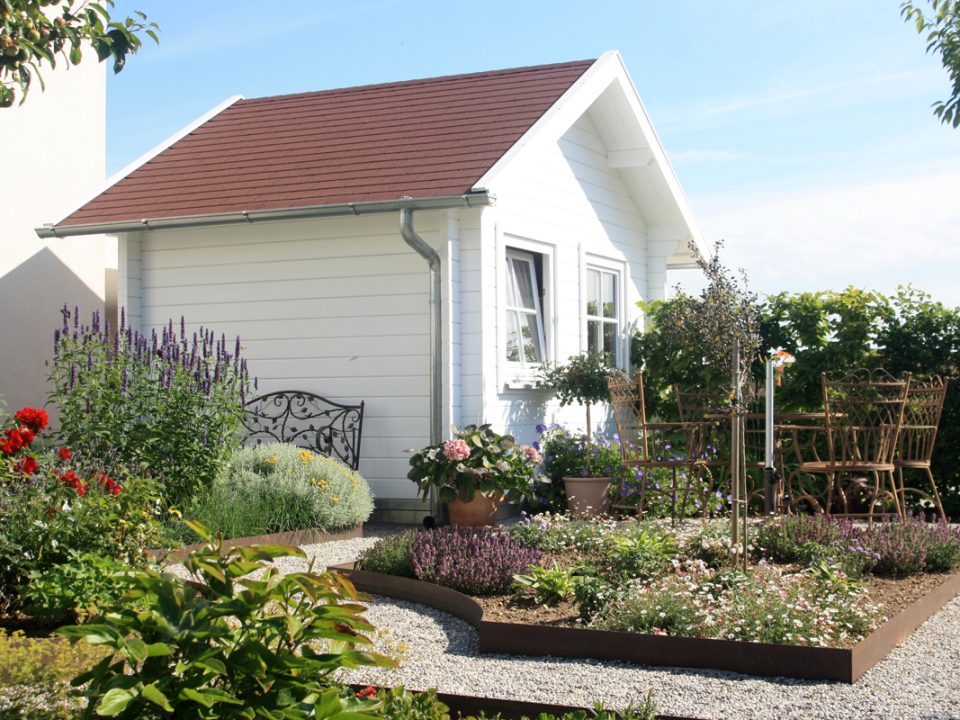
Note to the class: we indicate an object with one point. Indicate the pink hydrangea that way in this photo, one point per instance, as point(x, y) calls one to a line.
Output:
point(456, 450)
point(532, 455)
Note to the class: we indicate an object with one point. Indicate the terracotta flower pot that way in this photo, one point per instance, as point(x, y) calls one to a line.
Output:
point(587, 495)
point(481, 510)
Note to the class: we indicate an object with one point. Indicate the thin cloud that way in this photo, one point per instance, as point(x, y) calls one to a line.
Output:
point(785, 102)
point(704, 155)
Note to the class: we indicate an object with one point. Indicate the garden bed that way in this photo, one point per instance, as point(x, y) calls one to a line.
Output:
point(752, 658)
point(464, 705)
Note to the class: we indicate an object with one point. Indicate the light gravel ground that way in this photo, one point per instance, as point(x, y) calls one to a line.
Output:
point(919, 680)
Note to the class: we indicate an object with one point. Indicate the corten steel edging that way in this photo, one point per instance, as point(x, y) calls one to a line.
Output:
point(751, 658)
point(312, 536)
point(876, 646)
point(509, 709)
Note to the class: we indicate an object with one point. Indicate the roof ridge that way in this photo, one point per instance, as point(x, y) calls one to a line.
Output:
point(504, 72)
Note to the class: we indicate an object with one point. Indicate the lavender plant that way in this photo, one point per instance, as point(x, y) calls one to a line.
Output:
point(476, 561)
point(168, 405)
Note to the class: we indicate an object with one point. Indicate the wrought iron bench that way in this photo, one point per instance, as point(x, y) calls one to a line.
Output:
point(308, 421)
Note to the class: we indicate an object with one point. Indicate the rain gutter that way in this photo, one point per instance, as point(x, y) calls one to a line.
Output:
point(480, 198)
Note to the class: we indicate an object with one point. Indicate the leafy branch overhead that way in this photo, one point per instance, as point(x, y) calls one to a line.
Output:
point(34, 34)
point(942, 29)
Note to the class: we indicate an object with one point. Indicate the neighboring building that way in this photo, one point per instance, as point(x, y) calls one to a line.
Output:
point(52, 160)
point(544, 191)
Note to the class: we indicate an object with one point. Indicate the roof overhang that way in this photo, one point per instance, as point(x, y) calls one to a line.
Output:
point(477, 198)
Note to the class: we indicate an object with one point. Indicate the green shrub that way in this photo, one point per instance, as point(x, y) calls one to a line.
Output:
point(77, 589)
point(592, 594)
point(390, 555)
point(277, 487)
point(265, 648)
point(35, 675)
point(642, 554)
point(52, 503)
point(169, 405)
point(400, 704)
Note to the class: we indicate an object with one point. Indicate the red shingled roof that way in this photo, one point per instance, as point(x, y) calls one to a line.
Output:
point(422, 138)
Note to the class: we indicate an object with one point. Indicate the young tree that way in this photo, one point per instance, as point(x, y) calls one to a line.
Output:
point(942, 27)
point(34, 33)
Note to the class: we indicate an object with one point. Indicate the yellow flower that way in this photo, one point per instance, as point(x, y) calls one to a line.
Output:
point(306, 456)
point(272, 459)
point(335, 499)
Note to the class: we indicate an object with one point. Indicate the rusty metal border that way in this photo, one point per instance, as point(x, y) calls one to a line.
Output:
point(750, 658)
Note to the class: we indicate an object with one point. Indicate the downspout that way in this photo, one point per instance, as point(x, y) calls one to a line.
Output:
point(412, 239)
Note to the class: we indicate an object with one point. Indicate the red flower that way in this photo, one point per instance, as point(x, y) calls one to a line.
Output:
point(64, 453)
point(34, 418)
point(116, 490)
point(110, 484)
point(27, 466)
point(17, 438)
point(368, 692)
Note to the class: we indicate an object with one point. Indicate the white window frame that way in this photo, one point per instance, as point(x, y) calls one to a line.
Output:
point(527, 258)
point(516, 375)
point(617, 268)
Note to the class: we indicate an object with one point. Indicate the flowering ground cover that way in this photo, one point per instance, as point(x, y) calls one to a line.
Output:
point(812, 581)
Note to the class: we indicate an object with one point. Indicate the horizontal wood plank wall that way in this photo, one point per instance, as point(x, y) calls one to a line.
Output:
point(562, 194)
point(336, 306)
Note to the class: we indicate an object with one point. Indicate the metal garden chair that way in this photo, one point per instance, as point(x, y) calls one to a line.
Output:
point(915, 444)
point(864, 412)
point(645, 446)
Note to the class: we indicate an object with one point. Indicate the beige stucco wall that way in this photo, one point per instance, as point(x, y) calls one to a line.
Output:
point(52, 160)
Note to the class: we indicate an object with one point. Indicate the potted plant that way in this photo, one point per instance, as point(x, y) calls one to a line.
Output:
point(589, 467)
point(583, 379)
point(474, 471)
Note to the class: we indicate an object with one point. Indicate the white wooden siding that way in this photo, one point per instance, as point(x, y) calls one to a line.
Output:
point(337, 306)
point(562, 194)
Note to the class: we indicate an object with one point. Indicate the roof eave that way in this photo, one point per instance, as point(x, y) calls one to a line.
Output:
point(475, 198)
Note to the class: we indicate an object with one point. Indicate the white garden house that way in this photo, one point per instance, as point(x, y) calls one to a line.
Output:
point(543, 191)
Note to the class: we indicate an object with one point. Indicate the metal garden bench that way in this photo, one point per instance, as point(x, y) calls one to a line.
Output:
point(308, 421)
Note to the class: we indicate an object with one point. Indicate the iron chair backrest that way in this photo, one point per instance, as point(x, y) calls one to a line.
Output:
point(921, 420)
point(693, 405)
point(308, 421)
point(864, 412)
point(647, 444)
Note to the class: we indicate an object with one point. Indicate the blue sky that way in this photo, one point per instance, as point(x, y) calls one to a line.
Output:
point(800, 130)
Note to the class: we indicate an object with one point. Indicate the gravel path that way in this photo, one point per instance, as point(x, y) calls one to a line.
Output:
point(919, 680)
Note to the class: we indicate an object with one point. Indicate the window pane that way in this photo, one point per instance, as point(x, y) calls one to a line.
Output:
point(513, 337)
point(610, 340)
point(609, 295)
point(521, 271)
point(593, 292)
point(593, 335)
point(511, 285)
point(532, 351)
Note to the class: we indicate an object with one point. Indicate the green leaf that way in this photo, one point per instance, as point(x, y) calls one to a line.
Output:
point(209, 697)
point(136, 649)
point(114, 702)
point(76, 55)
point(152, 693)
